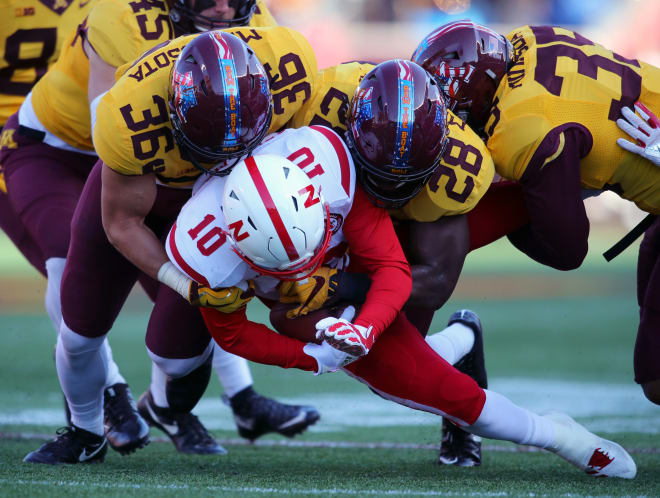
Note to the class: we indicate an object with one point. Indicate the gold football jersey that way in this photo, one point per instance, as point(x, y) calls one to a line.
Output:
point(32, 33)
point(333, 90)
point(561, 80)
point(118, 31)
point(133, 134)
point(464, 173)
point(262, 18)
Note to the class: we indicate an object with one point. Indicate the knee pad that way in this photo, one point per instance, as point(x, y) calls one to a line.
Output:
point(75, 343)
point(180, 367)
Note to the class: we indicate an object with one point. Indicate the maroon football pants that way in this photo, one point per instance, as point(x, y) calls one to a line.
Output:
point(97, 278)
point(647, 346)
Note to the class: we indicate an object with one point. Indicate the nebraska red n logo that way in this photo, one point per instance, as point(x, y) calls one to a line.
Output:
point(236, 228)
point(310, 201)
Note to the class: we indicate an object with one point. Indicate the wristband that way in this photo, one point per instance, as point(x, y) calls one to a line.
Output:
point(173, 278)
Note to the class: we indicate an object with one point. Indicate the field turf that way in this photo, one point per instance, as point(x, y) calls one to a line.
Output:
point(553, 341)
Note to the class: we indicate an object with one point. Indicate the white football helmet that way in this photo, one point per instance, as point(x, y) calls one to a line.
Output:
point(278, 222)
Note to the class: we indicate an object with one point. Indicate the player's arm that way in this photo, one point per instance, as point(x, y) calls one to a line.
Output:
point(126, 201)
point(558, 227)
point(436, 252)
point(256, 342)
point(375, 250)
point(101, 74)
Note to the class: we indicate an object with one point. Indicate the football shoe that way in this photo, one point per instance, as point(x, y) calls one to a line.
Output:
point(184, 429)
point(459, 447)
point(72, 445)
point(256, 415)
point(588, 452)
point(125, 430)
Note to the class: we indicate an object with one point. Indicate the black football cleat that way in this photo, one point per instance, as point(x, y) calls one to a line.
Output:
point(72, 445)
point(256, 415)
point(184, 429)
point(125, 430)
point(459, 447)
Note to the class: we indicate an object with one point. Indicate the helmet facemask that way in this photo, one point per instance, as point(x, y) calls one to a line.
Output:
point(189, 19)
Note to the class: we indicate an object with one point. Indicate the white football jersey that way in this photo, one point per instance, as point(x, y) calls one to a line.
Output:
point(197, 243)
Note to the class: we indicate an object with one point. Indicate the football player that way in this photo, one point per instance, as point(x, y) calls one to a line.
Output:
point(429, 200)
point(293, 205)
point(31, 36)
point(549, 111)
point(254, 413)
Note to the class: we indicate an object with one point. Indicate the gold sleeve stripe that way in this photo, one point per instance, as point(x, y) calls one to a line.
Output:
point(560, 149)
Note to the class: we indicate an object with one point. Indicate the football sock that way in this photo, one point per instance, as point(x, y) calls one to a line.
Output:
point(502, 419)
point(157, 386)
point(233, 371)
point(54, 271)
point(181, 381)
point(114, 376)
point(82, 366)
point(453, 342)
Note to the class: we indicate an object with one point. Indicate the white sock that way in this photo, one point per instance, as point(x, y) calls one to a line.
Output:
point(82, 367)
point(54, 271)
point(232, 370)
point(502, 419)
point(452, 343)
point(157, 386)
point(114, 376)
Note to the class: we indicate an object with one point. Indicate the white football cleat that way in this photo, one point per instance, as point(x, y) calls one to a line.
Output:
point(587, 451)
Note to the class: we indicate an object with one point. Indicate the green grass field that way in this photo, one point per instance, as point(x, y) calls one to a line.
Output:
point(553, 341)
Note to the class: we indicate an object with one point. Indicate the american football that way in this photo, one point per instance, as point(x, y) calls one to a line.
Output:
point(303, 327)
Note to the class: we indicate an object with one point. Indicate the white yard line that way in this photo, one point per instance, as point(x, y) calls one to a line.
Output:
point(264, 491)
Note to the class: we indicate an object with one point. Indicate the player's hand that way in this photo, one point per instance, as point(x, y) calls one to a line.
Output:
point(312, 292)
point(327, 358)
point(645, 130)
point(227, 299)
point(345, 336)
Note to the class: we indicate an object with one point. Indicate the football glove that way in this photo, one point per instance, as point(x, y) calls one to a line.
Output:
point(227, 299)
point(327, 358)
point(312, 292)
point(645, 131)
point(353, 339)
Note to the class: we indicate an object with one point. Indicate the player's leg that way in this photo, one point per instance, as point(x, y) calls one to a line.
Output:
point(95, 284)
point(647, 346)
point(461, 345)
point(181, 351)
point(557, 232)
point(402, 367)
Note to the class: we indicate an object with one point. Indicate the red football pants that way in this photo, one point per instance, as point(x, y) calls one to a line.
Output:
point(403, 368)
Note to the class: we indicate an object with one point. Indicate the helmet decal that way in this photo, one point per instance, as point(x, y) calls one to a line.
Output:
point(406, 115)
point(361, 109)
point(184, 93)
point(230, 86)
point(451, 77)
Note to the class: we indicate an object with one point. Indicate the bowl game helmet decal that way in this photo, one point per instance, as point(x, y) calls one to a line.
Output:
point(220, 100)
point(397, 131)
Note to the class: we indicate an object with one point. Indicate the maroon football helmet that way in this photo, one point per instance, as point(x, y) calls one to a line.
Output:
point(468, 61)
point(186, 17)
point(397, 131)
point(220, 101)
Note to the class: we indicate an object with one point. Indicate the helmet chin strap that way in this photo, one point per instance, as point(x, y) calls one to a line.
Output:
point(188, 156)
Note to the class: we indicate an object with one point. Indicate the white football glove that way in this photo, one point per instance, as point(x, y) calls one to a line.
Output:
point(645, 131)
point(328, 359)
point(345, 336)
